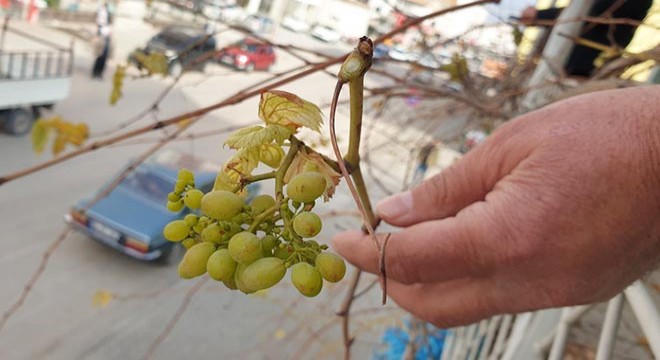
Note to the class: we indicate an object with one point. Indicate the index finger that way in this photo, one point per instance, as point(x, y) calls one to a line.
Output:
point(432, 251)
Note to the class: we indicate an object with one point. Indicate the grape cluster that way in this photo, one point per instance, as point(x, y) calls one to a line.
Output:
point(250, 246)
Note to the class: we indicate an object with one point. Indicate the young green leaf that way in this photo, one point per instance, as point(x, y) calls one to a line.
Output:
point(40, 131)
point(283, 108)
point(271, 155)
point(257, 135)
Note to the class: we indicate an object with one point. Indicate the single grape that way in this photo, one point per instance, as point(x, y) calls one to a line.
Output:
point(176, 230)
point(268, 243)
point(261, 203)
point(194, 261)
point(306, 187)
point(245, 247)
point(263, 273)
point(188, 243)
point(221, 205)
point(221, 266)
point(310, 166)
point(179, 186)
point(306, 279)
point(307, 224)
point(230, 283)
point(238, 279)
point(186, 175)
point(175, 206)
point(212, 233)
point(331, 267)
point(283, 252)
point(193, 198)
point(191, 219)
point(173, 197)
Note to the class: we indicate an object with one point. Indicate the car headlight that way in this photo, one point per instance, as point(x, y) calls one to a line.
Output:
point(242, 59)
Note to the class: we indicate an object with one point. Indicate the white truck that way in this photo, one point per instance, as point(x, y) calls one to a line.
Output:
point(31, 80)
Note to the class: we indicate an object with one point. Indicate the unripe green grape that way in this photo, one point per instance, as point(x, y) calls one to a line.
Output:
point(176, 230)
point(238, 279)
point(245, 247)
point(310, 166)
point(221, 266)
point(261, 203)
point(306, 279)
point(306, 187)
point(179, 186)
point(194, 261)
point(173, 197)
point(230, 283)
point(212, 233)
point(331, 267)
point(263, 273)
point(268, 243)
point(221, 205)
point(186, 175)
point(191, 219)
point(307, 224)
point(188, 243)
point(283, 252)
point(175, 206)
point(193, 198)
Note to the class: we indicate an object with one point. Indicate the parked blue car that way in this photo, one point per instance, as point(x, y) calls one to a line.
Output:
point(131, 218)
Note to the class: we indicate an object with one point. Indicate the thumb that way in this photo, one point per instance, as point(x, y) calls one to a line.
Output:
point(467, 181)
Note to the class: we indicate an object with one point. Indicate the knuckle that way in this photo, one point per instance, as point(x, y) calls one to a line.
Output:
point(401, 267)
point(436, 187)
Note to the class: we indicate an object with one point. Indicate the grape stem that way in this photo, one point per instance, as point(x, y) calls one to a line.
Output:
point(281, 172)
point(261, 217)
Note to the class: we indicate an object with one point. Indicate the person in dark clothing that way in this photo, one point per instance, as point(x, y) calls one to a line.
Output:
point(102, 58)
point(581, 60)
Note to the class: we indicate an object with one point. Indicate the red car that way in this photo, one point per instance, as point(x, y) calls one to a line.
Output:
point(248, 55)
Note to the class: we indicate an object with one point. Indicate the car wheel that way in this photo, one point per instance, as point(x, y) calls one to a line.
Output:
point(18, 121)
point(175, 69)
point(249, 67)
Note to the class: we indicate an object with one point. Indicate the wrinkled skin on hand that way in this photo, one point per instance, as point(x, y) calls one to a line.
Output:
point(558, 207)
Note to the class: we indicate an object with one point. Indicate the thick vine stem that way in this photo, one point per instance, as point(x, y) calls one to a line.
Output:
point(352, 71)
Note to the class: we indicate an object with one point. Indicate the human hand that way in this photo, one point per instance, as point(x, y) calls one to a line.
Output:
point(528, 16)
point(558, 207)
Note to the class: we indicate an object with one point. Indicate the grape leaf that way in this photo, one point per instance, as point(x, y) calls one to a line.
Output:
point(257, 135)
point(59, 144)
point(242, 163)
point(40, 131)
point(309, 160)
point(271, 155)
point(286, 109)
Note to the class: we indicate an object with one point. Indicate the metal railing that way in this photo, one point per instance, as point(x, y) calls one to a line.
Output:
point(34, 65)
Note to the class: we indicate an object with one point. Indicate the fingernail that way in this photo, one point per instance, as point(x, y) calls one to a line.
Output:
point(395, 205)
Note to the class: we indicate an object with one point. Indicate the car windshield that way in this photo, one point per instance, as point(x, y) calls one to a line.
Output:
point(177, 36)
point(248, 48)
point(149, 184)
